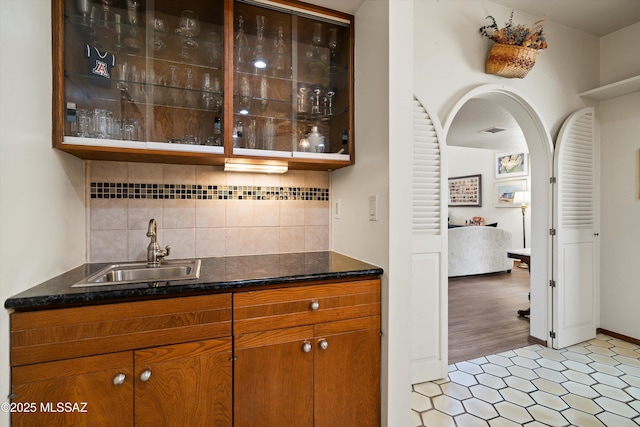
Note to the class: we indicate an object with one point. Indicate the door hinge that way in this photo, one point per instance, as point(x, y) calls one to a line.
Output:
point(552, 231)
point(553, 180)
point(552, 334)
point(552, 283)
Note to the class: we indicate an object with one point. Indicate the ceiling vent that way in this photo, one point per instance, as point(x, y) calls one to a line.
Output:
point(493, 129)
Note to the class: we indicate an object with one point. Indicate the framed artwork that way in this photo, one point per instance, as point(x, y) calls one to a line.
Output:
point(465, 191)
point(509, 165)
point(504, 192)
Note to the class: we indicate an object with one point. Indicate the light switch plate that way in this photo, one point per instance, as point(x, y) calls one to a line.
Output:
point(337, 208)
point(373, 208)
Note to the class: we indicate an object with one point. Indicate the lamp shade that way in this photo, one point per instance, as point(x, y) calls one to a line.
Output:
point(521, 198)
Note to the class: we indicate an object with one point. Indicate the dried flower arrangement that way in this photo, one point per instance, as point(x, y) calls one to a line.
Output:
point(517, 35)
point(515, 47)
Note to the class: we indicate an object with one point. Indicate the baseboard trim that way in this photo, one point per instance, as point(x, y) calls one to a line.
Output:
point(534, 340)
point(618, 336)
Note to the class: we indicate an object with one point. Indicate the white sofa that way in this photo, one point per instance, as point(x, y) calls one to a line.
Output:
point(478, 250)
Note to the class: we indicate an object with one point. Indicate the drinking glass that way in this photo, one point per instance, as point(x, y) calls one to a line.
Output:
point(250, 132)
point(263, 92)
point(258, 57)
point(207, 92)
point(245, 95)
point(279, 60)
point(132, 42)
point(333, 46)
point(122, 71)
point(189, 27)
point(118, 46)
point(84, 7)
point(316, 40)
point(213, 49)
point(241, 45)
point(330, 95)
point(270, 134)
point(160, 29)
point(316, 96)
point(101, 123)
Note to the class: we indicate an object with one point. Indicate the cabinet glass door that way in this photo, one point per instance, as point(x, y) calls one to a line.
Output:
point(144, 74)
point(291, 83)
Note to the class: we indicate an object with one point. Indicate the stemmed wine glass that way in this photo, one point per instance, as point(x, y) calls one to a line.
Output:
point(103, 28)
point(241, 45)
point(258, 57)
point(316, 39)
point(189, 27)
point(160, 30)
point(279, 59)
point(84, 7)
point(330, 93)
point(132, 42)
point(333, 45)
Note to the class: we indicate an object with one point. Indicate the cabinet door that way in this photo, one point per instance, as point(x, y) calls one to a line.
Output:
point(347, 373)
point(190, 381)
point(273, 378)
point(88, 391)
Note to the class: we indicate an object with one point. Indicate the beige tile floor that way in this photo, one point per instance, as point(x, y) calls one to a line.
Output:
point(595, 383)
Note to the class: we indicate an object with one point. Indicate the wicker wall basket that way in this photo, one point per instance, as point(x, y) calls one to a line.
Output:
point(510, 61)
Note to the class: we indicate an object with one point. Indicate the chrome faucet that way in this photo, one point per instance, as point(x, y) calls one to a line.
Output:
point(155, 255)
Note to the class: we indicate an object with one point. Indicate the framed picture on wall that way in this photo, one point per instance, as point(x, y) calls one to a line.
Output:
point(509, 165)
point(504, 192)
point(465, 191)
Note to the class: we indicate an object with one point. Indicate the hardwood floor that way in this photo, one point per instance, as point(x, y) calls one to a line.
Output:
point(483, 314)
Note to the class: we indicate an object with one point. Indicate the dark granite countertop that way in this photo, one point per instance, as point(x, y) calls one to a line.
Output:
point(216, 275)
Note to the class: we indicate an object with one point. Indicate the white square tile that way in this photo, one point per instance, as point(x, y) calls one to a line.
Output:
point(182, 242)
point(210, 242)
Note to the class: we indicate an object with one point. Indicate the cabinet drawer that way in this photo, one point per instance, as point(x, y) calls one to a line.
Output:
point(48, 335)
point(304, 305)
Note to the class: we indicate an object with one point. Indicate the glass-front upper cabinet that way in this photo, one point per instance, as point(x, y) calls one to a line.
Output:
point(292, 83)
point(143, 75)
point(202, 81)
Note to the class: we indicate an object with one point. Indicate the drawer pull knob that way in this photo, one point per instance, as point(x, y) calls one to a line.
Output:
point(145, 375)
point(314, 306)
point(324, 344)
point(119, 379)
point(306, 347)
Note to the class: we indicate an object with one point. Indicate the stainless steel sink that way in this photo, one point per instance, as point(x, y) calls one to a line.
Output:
point(139, 272)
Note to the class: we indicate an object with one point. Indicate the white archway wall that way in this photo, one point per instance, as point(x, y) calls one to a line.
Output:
point(449, 61)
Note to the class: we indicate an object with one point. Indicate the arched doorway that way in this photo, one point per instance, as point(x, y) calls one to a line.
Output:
point(540, 147)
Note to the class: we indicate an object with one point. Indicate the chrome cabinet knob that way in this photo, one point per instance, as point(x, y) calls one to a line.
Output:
point(314, 306)
point(145, 375)
point(306, 347)
point(119, 379)
point(324, 344)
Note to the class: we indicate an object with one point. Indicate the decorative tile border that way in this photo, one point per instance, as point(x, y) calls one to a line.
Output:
point(118, 190)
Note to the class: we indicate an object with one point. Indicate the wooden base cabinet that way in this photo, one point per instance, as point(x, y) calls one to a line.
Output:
point(150, 363)
point(322, 371)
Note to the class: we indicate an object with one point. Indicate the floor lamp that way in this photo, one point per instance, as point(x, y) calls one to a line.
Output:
point(522, 198)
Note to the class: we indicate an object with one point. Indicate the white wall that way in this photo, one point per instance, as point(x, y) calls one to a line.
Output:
point(42, 219)
point(472, 161)
point(620, 205)
point(383, 125)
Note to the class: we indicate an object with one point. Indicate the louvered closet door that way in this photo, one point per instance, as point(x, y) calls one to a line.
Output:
point(575, 249)
point(429, 275)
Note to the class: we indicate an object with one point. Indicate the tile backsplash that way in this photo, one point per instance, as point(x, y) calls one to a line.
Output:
point(202, 211)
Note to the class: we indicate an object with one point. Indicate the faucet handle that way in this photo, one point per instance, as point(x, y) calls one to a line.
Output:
point(168, 250)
